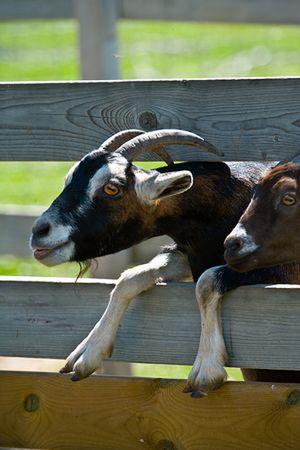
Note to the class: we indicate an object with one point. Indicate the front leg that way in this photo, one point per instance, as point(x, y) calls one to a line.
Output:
point(98, 345)
point(208, 371)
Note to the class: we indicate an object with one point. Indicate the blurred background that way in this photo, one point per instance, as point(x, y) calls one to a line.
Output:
point(47, 50)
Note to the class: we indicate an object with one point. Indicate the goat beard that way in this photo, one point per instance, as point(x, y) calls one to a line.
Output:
point(83, 267)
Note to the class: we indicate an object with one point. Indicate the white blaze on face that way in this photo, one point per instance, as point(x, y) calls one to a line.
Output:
point(110, 172)
point(247, 242)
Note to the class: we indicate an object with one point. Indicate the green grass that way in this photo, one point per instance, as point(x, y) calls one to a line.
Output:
point(31, 183)
point(208, 50)
point(11, 265)
point(174, 371)
point(43, 50)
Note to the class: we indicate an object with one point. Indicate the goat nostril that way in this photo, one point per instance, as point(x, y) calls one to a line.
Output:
point(42, 230)
point(233, 245)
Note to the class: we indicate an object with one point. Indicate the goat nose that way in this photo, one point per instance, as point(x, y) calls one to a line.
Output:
point(41, 228)
point(232, 244)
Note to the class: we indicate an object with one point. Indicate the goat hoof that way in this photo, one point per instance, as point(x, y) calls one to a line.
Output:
point(75, 377)
point(65, 369)
point(198, 394)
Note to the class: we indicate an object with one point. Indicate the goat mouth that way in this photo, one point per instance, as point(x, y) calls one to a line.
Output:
point(242, 263)
point(42, 253)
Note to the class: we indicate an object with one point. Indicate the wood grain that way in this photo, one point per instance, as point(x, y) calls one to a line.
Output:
point(40, 318)
point(245, 118)
point(49, 411)
point(259, 11)
point(35, 9)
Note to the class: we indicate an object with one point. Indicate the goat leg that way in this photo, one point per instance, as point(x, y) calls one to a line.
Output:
point(169, 265)
point(208, 371)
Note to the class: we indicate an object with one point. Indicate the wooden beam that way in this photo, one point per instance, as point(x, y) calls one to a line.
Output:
point(49, 411)
point(49, 317)
point(255, 11)
point(245, 118)
point(35, 9)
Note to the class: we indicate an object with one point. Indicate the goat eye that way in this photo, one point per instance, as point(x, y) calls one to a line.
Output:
point(288, 200)
point(111, 189)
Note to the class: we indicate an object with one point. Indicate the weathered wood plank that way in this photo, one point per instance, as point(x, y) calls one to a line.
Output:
point(35, 9)
point(41, 318)
point(49, 411)
point(258, 11)
point(244, 118)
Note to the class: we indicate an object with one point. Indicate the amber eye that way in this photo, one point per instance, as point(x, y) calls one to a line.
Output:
point(111, 189)
point(288, 200)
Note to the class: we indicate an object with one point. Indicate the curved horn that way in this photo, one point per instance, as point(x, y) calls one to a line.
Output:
point(116, 140)
point(153, 141)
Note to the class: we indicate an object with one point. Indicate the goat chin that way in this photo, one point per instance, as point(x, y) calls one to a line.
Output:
point(55, 256)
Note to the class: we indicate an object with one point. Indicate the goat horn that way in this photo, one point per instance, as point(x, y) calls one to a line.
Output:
point(115, 141)
point(154, 140)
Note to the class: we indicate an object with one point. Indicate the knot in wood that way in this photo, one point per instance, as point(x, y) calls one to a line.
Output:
point(164, 444)
point(294, 398)
point(148, 121)
point(31, 403)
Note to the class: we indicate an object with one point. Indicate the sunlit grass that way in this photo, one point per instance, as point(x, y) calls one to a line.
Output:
point(48, 50)
point(175, 371)
point(11, 265)
point(31, 183)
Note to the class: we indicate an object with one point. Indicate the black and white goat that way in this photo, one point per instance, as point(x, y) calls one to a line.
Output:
point(109, 204)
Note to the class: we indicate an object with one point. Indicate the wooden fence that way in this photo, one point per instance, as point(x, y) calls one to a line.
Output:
point(249, 119)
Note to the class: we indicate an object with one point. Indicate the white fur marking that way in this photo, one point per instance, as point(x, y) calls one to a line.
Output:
point(113, 170)
point(248, 244)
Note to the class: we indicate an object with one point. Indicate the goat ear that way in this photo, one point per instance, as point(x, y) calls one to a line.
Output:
point(164, 185)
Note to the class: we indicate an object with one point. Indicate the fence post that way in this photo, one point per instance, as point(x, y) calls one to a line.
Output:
point(98, 38)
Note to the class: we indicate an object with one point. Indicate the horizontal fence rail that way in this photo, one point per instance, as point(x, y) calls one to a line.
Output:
point(49, 317)
point(246, 119)
point(258, 11)
point(49, 411)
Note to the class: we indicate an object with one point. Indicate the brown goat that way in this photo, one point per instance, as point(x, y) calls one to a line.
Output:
point(264, 247)
point(268, 232)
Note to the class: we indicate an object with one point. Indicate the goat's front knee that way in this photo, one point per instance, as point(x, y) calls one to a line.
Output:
point(208, 371)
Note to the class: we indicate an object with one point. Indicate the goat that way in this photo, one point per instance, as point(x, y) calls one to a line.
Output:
point(262, 248)
point(108, 204)
point(268, 231)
